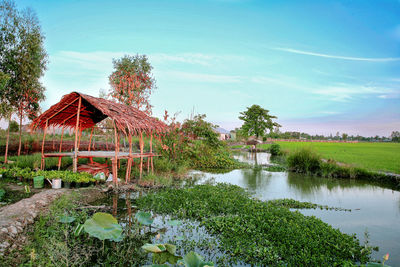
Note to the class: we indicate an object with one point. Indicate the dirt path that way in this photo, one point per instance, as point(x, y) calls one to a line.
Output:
point(15, 217)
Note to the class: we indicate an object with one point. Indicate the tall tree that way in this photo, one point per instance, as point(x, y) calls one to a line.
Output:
point(132, 81)
point(257, 121)
point(23, 58)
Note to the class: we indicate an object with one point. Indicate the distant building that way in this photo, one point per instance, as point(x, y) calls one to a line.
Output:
point(223, 134)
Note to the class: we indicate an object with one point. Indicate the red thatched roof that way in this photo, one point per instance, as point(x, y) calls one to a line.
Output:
point(93, 110)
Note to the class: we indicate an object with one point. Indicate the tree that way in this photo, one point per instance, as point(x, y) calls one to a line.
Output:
point(198, 127)
point(395, 136)
point(132, 82)
point(344, 136)
point(23, 58)
point(257, 121)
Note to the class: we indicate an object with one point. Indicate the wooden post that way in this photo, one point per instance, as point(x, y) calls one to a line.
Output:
point(8, 138)
point(44, 139)
point(129, 163)
point(90, 142)
point(151, 152)
point(54, 136)
point(80, 135)
point(75, 159)
point(114, 162)
point(141, 155)
point(59, 158)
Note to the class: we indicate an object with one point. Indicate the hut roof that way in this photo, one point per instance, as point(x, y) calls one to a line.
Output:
point(93, 110)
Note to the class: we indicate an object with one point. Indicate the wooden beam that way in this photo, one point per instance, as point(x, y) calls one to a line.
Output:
point(64, 108)
point(44, 139)
point(64, 121)
point(75, 159)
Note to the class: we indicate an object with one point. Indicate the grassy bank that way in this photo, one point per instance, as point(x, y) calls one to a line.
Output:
point(370, 156)
point(259, 233)
point(307, 161)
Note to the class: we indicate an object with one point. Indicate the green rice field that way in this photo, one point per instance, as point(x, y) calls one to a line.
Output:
point(371, 156)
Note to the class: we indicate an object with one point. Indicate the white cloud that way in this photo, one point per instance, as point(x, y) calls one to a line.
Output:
point(308, 53)
point(345, 92)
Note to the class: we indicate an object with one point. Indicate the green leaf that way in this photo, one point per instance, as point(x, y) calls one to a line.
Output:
point(154, 248)
point(66, 219)
point(192, 259)
point(170, 248)
point(174, 222)
point(156, 265)
point(2, 193)
point(103, 226)
point(375, 264)
point(78, 230)
point(144, 218)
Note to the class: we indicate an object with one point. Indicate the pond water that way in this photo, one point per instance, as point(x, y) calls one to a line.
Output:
point(375, 209)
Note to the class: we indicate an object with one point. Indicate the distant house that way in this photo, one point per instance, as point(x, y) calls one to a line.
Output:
point(223, 134)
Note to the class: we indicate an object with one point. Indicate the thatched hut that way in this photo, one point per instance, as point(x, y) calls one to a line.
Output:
point(79, 112)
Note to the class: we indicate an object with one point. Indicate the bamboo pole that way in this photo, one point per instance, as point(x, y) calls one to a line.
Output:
point(59, 158)
point(75, 160)
point(141, 155)
point(44, 139)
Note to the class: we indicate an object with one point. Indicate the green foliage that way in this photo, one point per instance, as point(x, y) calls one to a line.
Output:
point(103, 226)
point(14, 127)
point(304, 160)
point(192, 259)
point(2, 193)
point(257, 121)
point(256, 232)
point(275, 149)
point(198, 128)
point(144, 217)
point(66, 176)
point(276, 168)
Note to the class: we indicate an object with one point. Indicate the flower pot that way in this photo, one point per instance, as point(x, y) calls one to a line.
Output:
point(38, 182)
point(67, 185)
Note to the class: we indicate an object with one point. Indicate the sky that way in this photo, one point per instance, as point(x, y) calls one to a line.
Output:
point(319, 66)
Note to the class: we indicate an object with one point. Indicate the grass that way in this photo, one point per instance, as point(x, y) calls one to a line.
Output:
point(371, 156)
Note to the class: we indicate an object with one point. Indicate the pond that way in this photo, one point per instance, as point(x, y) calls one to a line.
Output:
point(374, 209)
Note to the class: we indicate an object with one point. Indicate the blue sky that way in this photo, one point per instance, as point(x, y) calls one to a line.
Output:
point(320, 66)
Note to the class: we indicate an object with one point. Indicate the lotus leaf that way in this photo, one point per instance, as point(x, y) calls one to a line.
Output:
point(192, 259)
point(154, 248)
point(103, 226)
point(66, 219)
point(165, 257)
point(144, 217)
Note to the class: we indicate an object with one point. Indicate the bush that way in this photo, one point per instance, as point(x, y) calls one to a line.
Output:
point(14, 127)
point(275, 149)
point(305, 161)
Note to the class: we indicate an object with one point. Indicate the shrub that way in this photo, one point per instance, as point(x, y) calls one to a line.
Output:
point(14, 127)
point(275, 149)
point(304, 160)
